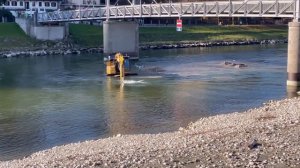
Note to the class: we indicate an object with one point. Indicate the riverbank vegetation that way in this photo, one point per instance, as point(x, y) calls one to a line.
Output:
point(86, 35)
point(82, 35)
point(12, 36)
point(91, 36)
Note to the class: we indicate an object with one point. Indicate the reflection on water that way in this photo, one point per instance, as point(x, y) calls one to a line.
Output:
point(49, 101)
point(293, 91)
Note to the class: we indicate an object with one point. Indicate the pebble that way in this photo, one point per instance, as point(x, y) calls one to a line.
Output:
point(229, 140)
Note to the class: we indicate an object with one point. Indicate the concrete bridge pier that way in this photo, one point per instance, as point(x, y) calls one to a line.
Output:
point(293, 65)
point(121, 36)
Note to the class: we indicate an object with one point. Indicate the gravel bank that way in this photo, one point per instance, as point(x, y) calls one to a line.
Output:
point(264, 137)
point(66, 48)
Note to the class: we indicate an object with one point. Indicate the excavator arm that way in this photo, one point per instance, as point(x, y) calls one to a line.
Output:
point(120, 59)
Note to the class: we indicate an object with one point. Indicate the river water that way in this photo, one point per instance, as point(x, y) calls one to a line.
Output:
point(54, 100)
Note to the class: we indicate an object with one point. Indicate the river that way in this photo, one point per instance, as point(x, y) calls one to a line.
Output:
point(54, 100)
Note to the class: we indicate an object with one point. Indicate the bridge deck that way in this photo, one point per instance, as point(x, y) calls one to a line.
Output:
point(241, 8)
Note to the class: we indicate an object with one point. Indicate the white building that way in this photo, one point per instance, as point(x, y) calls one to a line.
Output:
point(83, 3)
point(32, 5)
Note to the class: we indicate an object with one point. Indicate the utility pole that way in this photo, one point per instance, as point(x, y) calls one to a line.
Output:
point(107, 9)
point(297, 12)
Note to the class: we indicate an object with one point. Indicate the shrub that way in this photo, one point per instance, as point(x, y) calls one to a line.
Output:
point(6, 14)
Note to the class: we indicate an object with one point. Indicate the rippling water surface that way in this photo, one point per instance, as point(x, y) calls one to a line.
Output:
point(54, 100)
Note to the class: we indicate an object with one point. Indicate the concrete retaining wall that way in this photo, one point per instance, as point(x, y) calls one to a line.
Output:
point(52, 33)
point(24, 24)
point(48, 32)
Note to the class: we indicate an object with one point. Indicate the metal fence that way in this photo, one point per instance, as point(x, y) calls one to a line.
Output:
point(241, 8)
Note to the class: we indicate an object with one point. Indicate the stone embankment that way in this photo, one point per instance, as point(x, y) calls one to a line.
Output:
point(65, 49)
point(268, 136)
point(211, 44)
point(44, 52)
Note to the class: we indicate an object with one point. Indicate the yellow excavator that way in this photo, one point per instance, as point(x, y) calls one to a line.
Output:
point(116, 66)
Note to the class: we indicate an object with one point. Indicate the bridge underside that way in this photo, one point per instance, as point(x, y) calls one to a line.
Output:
point(248, 8)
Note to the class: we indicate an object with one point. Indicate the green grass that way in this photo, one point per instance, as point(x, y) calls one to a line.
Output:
point(212, 33)
point(86, 35)
point(91, 36)
point(12, 36)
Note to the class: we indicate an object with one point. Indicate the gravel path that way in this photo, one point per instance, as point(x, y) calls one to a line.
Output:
point(264, 137)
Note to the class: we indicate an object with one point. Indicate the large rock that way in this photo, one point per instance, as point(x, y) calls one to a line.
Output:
point(233, 64)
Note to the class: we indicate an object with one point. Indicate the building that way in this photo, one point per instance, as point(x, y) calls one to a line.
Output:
point(32, 5)
point(75, 4)
point(84, 2)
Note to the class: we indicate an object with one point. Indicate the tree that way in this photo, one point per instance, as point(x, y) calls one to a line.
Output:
point(2, 2)
point(5, 14)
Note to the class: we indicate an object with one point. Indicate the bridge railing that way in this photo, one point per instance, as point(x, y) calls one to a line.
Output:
point(242, 8)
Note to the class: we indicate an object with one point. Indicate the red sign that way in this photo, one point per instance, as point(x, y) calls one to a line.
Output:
point(179, 25)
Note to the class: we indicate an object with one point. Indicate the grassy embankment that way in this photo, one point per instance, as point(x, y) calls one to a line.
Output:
point(12, 36)
point(87, 35)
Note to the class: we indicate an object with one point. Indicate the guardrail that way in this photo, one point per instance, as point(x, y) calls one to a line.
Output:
point(242, 8)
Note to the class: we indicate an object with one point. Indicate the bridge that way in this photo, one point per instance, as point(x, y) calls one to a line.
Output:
point(230, 8)
point(123, 36)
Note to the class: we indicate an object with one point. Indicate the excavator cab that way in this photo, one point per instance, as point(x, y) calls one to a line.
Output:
point(118, 65)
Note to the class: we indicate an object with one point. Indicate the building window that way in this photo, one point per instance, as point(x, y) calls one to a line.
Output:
point(47, 4)
point(53, 4)
point(33, 3)
point(94, 2)
point(40, 3)
point(7, 3)
point(84, 2)
point(14, 3)
point(21, 3)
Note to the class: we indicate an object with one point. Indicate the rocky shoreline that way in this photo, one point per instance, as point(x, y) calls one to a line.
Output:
point(268, 136)
point(212, 44)
point(66, 49)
